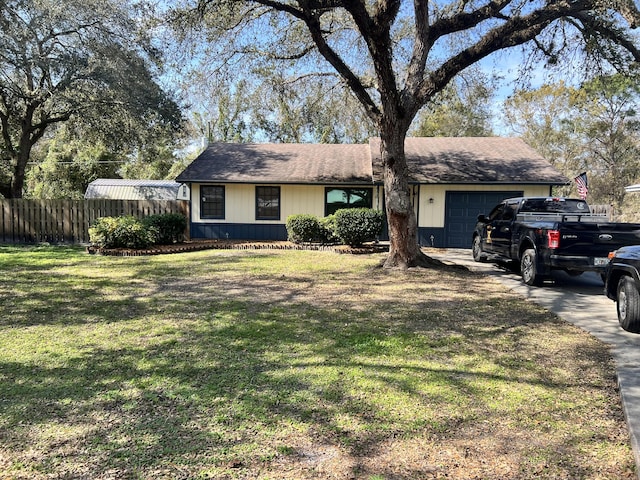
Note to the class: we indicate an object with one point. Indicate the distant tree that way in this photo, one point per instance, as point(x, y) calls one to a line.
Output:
point(462, 109)
point(608, 108)
point(545, 119)
point(592, 128)
point(153, 162)
point(221, 109)
point(396, 56)
point(68, 166)
point(82, 59)
point(265, 106)
point(309, 110)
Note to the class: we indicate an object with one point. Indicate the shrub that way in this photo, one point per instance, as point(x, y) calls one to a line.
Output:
point(170, 227)
point(303, 228)
point(121, 232)
point(328, 229)
point(354, 226)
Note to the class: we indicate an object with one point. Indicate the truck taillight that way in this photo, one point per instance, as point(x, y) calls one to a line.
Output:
point(553, 238)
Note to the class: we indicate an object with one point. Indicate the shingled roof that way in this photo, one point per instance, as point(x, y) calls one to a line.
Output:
point(488, 160)
point(482, 160)
point(281, 163)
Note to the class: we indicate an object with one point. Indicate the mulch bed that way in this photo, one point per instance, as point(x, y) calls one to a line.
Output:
point(197, 245)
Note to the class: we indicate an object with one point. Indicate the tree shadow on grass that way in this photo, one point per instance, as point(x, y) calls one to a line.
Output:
point(264, 373)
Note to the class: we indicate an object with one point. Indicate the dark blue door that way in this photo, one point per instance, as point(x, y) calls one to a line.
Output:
point(461, 213)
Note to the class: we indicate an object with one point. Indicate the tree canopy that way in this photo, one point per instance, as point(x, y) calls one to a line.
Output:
point(82, 59)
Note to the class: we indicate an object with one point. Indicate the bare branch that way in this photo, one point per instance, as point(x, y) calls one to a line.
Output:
point(464, 21)
point(516, 31)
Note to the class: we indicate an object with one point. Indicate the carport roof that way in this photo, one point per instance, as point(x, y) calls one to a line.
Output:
point(488, 160)
point(121, 189)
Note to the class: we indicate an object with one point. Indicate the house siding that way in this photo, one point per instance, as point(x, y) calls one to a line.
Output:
point(240, 202)
point(240, 211)
point(239, 231)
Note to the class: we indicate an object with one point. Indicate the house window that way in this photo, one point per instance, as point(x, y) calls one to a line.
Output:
point(211, 201)
point(267, 203)
point(337, 198)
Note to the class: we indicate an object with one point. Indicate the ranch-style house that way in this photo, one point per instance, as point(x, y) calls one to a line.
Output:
point(247, 191)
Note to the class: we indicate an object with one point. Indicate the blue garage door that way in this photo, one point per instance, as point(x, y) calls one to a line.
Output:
point(461, 213)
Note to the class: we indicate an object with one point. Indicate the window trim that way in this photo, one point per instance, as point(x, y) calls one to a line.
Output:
point(224, 202)
point(275, 188)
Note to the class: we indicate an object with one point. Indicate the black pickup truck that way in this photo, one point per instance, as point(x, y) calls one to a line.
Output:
point(541, 234)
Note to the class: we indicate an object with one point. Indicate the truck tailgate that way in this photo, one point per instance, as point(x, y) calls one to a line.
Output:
point(596, 239)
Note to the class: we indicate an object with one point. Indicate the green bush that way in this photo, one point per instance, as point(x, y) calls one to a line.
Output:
point(354, 226)
point(170, 227)
point(303, 228)
point(121, 232)
point(328, 229)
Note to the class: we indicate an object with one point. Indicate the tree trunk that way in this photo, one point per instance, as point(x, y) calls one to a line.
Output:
point(19, 162)
point(404, 251)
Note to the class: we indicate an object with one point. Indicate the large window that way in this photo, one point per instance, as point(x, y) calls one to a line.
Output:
point(337, 198)
point(211, 201)
point(267, 203)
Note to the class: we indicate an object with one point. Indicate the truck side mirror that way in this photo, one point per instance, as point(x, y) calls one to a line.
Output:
point(482, 218)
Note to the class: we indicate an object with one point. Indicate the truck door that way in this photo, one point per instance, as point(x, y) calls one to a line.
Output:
point(500, 227)
point(488, 244)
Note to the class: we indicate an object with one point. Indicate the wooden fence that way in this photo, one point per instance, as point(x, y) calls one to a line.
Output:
point(68, 221)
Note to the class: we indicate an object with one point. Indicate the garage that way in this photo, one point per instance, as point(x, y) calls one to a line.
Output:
point(462, 210)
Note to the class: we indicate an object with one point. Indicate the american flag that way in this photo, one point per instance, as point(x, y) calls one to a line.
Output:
point(583, 186)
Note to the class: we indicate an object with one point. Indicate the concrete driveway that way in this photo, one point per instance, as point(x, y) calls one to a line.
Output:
point(581, 301)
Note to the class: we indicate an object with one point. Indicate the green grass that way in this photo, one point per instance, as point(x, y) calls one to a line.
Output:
point(289, 364)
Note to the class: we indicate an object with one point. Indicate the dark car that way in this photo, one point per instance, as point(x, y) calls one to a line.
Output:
point(622, 284)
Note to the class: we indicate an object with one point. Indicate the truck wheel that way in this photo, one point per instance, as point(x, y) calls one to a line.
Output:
point(628, 305)
point(528, 268)
point(476, 249)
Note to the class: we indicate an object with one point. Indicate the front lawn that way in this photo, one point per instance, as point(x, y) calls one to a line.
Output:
point(291, 365)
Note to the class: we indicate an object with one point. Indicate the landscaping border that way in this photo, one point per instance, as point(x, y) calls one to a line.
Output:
point(198, 245)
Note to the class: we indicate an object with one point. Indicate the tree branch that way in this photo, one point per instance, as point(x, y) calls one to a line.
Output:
point(464, 21)
point(608, 33)
point(421, 46)
point(376, 32)
point(310, 12)
point(515, 31)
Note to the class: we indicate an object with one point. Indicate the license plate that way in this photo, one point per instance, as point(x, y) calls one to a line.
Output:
point(600, 261)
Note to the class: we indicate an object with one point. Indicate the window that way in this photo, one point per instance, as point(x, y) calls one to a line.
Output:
point(337, 198)
point(497, 212)
point(211, 201)
point(267, 203)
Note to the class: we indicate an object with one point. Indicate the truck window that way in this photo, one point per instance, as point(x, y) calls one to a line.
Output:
point(509, 212)
point(555, 205)
point(496, 213)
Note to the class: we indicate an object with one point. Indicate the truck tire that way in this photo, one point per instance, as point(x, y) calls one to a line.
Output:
point(628, 305)
point(476, 249)
point(528, 268)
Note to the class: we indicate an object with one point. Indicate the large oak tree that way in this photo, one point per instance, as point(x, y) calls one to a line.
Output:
point(82, 59)
point(395, 56)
